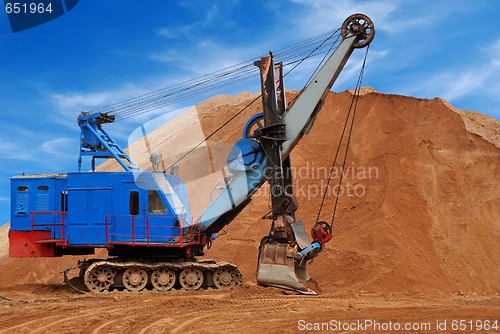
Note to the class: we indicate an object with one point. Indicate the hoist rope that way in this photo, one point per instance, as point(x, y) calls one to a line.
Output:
point(160, 98)
point(186, 92)
point(352, 109)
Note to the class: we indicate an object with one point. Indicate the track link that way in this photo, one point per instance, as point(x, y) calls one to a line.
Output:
point(107, 275)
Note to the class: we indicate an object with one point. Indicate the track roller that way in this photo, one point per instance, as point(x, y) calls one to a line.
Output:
point(135, 279)
point(99, 278)
point(226, 278)
point(112, 274)
point(191, 278)
point(163, 279)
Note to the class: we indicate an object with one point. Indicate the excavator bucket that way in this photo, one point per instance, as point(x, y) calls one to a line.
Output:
point(277, 267)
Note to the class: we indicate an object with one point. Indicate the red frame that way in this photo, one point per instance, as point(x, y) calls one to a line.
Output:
point(61, 224)
point(195, 235)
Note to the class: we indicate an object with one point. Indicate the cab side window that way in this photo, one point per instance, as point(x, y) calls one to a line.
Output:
point(134, 203)
point(155, 204)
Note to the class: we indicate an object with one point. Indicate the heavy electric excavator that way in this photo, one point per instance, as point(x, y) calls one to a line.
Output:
point(143, 218)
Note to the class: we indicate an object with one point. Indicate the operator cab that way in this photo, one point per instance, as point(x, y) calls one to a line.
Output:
point(95, 210)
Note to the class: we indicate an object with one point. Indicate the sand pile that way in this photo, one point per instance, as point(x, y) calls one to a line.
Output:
point(420, 209)
point(423, 214)
point(4, 240)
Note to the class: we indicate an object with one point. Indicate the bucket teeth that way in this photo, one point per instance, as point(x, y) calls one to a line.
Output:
point(276, 267)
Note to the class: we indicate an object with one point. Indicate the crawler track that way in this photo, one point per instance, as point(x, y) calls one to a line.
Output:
point(107, 275)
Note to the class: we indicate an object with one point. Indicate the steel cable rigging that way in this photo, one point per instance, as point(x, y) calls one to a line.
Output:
point(290, 56)
point(352, 109)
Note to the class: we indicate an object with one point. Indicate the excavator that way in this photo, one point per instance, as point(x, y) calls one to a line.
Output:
point(143, 218)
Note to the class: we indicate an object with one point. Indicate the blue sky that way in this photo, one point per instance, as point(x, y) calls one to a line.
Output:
point(108, 51)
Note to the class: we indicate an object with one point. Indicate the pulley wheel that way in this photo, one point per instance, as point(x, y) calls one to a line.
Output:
point(361, 26)
point(324, 225)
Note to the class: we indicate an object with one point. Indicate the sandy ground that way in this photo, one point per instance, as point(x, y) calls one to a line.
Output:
point(419, 247)
point(56, 309)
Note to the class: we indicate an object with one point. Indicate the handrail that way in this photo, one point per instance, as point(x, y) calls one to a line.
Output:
point(60, 224)
point(126, 230)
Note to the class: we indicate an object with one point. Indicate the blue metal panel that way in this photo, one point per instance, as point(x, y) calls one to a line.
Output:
point(42, 202)
point(86, 235)
point(97, 201)
point(22, 203)
point(34, 198)
point(144, 226)
point(90, 200)
point(77, 207)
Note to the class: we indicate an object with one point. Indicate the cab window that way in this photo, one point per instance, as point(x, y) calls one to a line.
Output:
point(134, 203)
point(155, 204)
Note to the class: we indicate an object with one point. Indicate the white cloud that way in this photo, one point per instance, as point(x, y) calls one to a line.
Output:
point(29, 149)
point(166, 32)
point(459, 85)
point(15, 150)
point(318, 16)
point(80, 100)
point(494, 52)
point(472, 79)
point(85, 101)
point(164, 57)
point(189, 30)
point(58, 147)
point(75, 102)
point(210, 15)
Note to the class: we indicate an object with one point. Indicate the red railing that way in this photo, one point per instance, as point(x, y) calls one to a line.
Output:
point(138, 231)
point(60, 224)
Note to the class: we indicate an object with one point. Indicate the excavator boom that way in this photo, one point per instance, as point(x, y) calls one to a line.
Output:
point(283, 253)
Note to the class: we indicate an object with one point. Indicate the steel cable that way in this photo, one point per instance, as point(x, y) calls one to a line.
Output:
point(191, 92)
point(212, 81)
point(353, 109)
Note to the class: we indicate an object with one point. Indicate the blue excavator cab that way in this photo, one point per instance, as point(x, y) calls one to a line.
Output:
point(98, 210)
